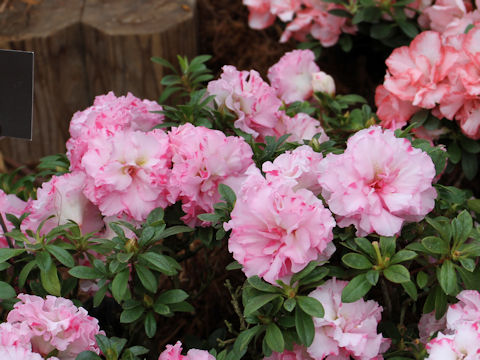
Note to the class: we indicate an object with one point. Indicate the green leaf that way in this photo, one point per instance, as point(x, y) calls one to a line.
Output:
point(148, 280)
point(397, 274)
point(7, 253)
point(469, 165)
point(304, 326)
point(234, 265)
point(356, 289)
point(381, 31)
point(462, 226)
point(403, 255)
point(442, 227)
point(163, 62)
point(274, 338)
point(435, 245)
point(257, 302)
point(174, 230)
point(85, 272)
point(408, 28)
point(261, 285)
point(6, 291)
point(162, 263)
point(161, 309)
point(241, 343)
point(356, 261)
point(410, 289)
point(366, 246)
point(311, 306)
point(312, 265)
point(22, 277)
point(469, 145)
point(88, 355)
point(182, 307)
point(99, 295)
point(150, 324)
point(372, 276)
point(61, 255)
point(447, 278)
point(454, 153)
point(130, 315)
point(468, 264)
point(172, 296)
point(422, 279)
point(227, 194)
point(387, 245)
point(146, 236)
point(441, 303)
point(290, 304)
point(155, 217)
point(50, 281)
point(120, 285)
point(474, 205)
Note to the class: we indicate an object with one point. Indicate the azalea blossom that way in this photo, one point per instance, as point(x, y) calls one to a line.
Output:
point(464, 344)
point(298, 353)
point(378, 183)
point(277, 231)
point(10, 204)
point(174, 352)
point(55, 324)
point(324, 83)
point(347, 329)
point(291, 76)
point(301, 127)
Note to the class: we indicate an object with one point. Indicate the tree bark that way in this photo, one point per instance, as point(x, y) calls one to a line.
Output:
point(85, 48)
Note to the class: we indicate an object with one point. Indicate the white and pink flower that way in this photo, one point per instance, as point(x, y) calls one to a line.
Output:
point(174, 352)
point(378, 183)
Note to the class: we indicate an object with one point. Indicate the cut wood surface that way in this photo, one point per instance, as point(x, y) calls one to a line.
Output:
point(84, 48)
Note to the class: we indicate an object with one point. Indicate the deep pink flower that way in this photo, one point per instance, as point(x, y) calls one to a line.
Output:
point(300, 167)
point(277, 231)
point(253, 101)
point(291, 76)
point(128, 173)
point(347, 329)
point(63, 197)
point(378, 183)
point(203, 159)
point(174, 352)
point(108, 115)
point(55, 323)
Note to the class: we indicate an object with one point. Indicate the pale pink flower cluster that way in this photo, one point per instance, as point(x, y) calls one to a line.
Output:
point(256, 104)
point(378, 183)
point(347, 329)
point(303, 17)
point(277, 231)
point(202, 159)
point(174, 352)
point(436, 72)
point(460, 337)
point(39, 326)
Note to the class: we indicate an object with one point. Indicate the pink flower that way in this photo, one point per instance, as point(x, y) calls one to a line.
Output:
point(127, 174)
point(174, 352)
point(63, 197)
point(416, 73)
point(378, 183)
point(203, 159)
point(393, 112)
point(10, 204)
point(106, 116)
point(298, 353)
point(464, 343)
point(259, 16)
point(291, 76)
point(19, 353)
point(429, 325)
point(301, 127)
point(300, 167)
point(324, 83)
point(277, 231)
point(443, 12)
point(466, 310)
point(285, 9)
point(55, 323)
point(253, 101)
point(17, 335)
point(347, 329)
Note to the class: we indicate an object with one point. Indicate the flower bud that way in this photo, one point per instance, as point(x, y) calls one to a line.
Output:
point(322, 82)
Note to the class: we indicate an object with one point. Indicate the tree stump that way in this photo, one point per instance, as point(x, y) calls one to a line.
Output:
point(85, 48)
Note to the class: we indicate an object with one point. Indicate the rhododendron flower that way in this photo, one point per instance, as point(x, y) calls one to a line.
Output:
point(466, 310)
point(20, 353)
point(174, 352)
point(429, 325)
point(324, 83)
point(10, 204)
point(277, 231)
point(253, 101)
point(393, 112)
point(347, 329)
point(300, 167)
point(301, 127)
point(203, 159)
point(63, 197)
point(291, 76)
point(298, 353)
point(463, 344)
point(378, 183)
point(108, 115)
point(55, 323)
point(128, 174)
point(259, 16)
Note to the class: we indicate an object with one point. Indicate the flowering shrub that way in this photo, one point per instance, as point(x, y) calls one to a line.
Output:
point(350, 242)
